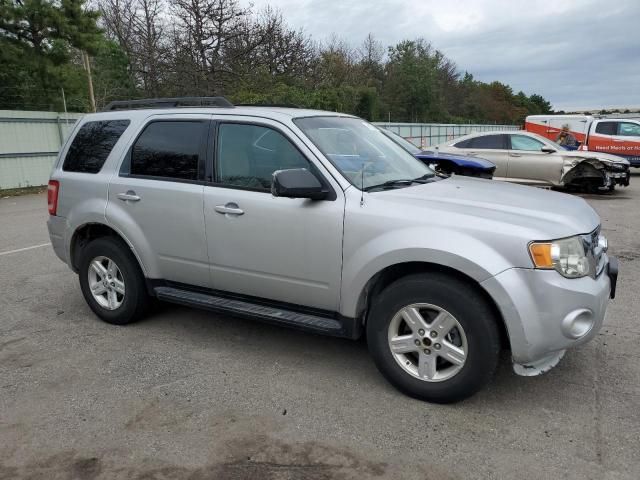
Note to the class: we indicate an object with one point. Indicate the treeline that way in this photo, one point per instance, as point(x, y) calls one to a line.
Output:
point(160, 48)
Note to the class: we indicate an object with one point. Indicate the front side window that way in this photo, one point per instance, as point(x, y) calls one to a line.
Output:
point(493, 142)
point(92, 145)
point(528, 144)
point(169, 149)
point(628, 129)
point(249, 154)
point(363, 154)
point(607, 128)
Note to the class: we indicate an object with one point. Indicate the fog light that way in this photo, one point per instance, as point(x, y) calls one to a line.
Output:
point(577, 323)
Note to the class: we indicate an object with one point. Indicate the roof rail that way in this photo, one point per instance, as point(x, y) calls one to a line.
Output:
point(169, 103)
point(280, 105)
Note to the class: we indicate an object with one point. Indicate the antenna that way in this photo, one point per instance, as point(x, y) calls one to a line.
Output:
point(362, 186)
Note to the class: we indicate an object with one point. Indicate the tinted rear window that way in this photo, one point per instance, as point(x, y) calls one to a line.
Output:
point(463, 144)
point(92, 145)
point(607, 128)
point(486, 141)
point(169, 150)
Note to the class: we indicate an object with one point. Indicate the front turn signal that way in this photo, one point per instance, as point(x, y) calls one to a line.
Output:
point(541, 255)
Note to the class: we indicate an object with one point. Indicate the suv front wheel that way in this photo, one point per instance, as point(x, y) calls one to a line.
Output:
point(111, 281)
point(434, 337)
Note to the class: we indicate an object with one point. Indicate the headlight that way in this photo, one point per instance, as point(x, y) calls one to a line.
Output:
point(567, 256)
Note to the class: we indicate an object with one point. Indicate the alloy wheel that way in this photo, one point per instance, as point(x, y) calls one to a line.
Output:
point(427, 342)
point(106, 283)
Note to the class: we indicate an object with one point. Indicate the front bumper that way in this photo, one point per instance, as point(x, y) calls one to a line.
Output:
point(546, 313)
point(618, 178)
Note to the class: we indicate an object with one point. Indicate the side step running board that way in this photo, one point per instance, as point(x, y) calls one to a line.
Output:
point(304, 321)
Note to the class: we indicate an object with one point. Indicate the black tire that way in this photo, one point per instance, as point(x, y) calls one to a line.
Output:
point(462, 300)
point(136, 300)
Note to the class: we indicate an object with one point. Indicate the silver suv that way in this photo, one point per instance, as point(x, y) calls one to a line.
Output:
point(317, 221)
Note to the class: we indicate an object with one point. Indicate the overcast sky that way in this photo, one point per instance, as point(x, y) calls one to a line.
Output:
point(576, 53)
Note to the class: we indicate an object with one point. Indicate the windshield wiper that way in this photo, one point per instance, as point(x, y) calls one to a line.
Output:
point(426, 176)
point(401, 182)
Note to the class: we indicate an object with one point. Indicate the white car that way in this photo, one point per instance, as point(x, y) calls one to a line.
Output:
point(532, 159)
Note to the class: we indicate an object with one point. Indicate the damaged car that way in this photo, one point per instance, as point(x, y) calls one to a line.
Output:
point(446, 163)
point(531, 159)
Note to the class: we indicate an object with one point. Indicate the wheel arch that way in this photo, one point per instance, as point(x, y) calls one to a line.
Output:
point(380, 280)
point(87, 232)
point(585, 171)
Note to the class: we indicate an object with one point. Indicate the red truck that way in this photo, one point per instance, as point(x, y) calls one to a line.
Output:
point(617, 136)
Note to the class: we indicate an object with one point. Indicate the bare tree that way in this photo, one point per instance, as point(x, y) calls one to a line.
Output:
point(371, 51)
point(370, 61)
point(336, 62)
point(283, 52)
point(211, 28)
point(149, 44)
point(117, 18)
point(138, 27)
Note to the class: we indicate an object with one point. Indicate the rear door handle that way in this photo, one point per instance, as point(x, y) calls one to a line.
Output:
point(515, 155)
point(129, 196)
point(229, 209)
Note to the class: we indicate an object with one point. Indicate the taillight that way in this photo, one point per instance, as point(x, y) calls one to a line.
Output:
point(52, 196)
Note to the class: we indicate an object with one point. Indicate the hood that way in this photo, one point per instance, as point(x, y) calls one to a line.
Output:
point(603, 157)
point(460, 160)
point(491, 206)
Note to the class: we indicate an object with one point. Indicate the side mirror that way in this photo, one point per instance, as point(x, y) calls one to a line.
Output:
point(548, 150)
point(297, 183)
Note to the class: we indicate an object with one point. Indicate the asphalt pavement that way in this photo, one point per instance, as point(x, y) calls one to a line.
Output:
point(190, 394)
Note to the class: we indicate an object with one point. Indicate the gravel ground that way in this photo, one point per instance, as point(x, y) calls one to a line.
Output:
point(189, 394)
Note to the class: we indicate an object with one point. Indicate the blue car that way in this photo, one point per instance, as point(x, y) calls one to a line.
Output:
point(446, 163)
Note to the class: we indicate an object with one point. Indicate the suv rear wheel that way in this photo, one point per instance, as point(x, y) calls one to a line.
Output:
point(111, 281)
point(434, 337)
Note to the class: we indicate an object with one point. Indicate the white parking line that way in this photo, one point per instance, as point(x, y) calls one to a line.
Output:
point(23, 249)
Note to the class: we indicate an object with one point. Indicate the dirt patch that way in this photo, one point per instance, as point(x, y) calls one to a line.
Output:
point(627, 256)
point(262, 457)
point(14, 192)
point(156, 415)
point(62, 466)
point(258, 458)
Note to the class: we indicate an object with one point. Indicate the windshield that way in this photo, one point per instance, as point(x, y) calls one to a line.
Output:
point(404, 143)
point(363, 154)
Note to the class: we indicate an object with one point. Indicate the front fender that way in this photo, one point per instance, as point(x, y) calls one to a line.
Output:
point(451, 249)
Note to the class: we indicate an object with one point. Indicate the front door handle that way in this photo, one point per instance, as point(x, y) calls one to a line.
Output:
point(129, 196)
point(515, 155)
point(229, 209)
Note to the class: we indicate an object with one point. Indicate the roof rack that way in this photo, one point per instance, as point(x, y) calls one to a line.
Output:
point(280, 105)
point(169, 103)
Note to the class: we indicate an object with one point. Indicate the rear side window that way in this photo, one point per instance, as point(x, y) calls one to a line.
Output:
point(487, 141)
point(92, 145)
point(607, 128)
point(169, 150)
point(463, 144)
